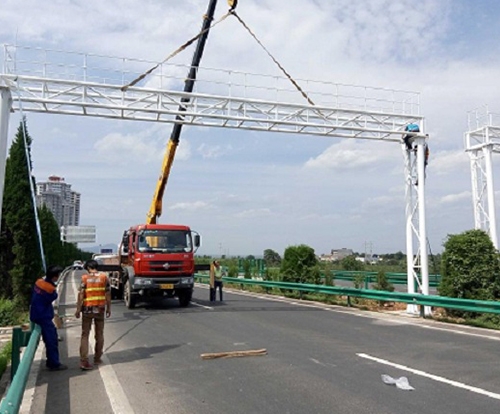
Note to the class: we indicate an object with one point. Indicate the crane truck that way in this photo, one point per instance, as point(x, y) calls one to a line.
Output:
point(157, 260)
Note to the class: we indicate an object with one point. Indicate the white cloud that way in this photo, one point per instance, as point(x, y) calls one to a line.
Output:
point(454, 198)
point(353, 155)
point(254, 213)
point(449, 162)
point(143, 147)
point(212, 151)
point(190, 206)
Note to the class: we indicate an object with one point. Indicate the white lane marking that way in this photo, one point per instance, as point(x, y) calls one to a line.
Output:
point(117, 397)
point(432, 376)
point(201, 306)
point(317, 362)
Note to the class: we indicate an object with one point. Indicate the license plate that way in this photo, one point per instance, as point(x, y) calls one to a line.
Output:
point(166, 286)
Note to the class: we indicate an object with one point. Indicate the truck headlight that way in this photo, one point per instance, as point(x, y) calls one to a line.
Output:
point(143, 282)
point(187, 280)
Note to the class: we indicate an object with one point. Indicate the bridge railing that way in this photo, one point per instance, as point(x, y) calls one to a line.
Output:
point(469, 305)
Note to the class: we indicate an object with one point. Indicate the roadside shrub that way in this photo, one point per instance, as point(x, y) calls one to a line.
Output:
point(5, 356)
point(359, 281)
point(470, 269)
point(382, 283)
point(9, 314)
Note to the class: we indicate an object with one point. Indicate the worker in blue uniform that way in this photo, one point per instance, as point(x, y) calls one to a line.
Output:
point(42, 313)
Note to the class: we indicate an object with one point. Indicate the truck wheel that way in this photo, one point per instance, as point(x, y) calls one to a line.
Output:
point(185, 298)
point(128, 297)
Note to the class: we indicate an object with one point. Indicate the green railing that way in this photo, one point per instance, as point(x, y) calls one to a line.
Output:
point(20, 368)
point(371, 277)
point(469, 305)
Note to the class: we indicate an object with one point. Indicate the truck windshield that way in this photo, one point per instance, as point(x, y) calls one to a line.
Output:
point(165, 241)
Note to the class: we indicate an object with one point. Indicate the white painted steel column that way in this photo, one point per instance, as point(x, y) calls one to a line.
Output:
point(491, 192)
point(413, 309)
point(476, 200)
point(424, 262)
point(5, 105)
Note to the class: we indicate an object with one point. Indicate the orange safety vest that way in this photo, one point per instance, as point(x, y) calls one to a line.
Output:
point(95, 289)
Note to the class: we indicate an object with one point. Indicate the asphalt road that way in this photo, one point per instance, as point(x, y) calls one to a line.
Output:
point(321, 359)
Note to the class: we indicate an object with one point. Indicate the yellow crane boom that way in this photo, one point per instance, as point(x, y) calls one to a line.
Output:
point(156, 205)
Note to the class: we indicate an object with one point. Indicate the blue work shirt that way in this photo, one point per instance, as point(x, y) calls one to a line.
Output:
point(44, 293)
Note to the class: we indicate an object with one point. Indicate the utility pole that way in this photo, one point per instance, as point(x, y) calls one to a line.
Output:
point(368, 252)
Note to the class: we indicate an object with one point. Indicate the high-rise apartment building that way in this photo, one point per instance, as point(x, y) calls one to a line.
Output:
point(64, 203)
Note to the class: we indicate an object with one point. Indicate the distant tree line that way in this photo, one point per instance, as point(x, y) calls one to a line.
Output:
point(20, 253)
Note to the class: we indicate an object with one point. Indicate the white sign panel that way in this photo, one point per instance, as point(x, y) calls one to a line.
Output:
point(78, 234)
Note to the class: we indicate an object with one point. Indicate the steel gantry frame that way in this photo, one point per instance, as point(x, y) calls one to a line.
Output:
point(481, 141)
point(92, 85)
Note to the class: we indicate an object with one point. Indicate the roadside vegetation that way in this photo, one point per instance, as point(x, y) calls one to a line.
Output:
point(469, 264)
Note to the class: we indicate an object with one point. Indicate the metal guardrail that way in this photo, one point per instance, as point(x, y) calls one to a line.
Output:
point(371, 277)
point(469, 305)
point(20, 369)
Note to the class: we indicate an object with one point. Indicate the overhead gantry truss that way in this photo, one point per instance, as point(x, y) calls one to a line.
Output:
point(371, 113)
point(146, 104)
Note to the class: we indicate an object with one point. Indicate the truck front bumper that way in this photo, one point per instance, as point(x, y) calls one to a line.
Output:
point(147, 286)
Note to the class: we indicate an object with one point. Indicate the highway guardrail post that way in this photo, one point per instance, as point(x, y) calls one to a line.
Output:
point(20, 339)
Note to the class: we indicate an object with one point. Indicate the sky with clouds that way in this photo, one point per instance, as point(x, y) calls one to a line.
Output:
point(247, 191)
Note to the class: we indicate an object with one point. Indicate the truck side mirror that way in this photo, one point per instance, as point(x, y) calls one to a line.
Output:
point(124, 244)
point(197, 240)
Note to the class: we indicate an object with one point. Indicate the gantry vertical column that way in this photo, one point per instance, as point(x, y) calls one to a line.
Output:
point(481, 141)
point(5, 106)
point(416, 232)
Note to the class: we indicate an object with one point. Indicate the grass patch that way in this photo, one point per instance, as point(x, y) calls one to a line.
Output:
point(5, 356)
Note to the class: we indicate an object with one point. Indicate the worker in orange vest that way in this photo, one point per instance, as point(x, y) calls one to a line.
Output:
point(94, 302)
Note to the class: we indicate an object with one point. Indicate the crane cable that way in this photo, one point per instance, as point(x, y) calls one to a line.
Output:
point(30, 177)
point(233, 12)
point(174, 53)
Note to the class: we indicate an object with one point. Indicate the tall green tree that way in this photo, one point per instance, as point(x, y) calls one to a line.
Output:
point(300, 265)
point(20, 220)
point(51, 236)
point(470, 267)
point(6, 260)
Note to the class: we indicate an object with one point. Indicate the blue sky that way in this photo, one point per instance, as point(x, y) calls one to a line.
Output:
point(249, 191)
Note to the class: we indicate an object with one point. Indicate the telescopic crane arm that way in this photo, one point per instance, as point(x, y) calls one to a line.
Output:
point(156, 205)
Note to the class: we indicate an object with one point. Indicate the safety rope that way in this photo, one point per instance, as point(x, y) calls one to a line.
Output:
point(180, 49)
point(233, 12)
point(28, 168)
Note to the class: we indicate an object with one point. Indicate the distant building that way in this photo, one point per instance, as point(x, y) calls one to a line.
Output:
point(336, 255)
point(64, 203)
point(340, 254)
